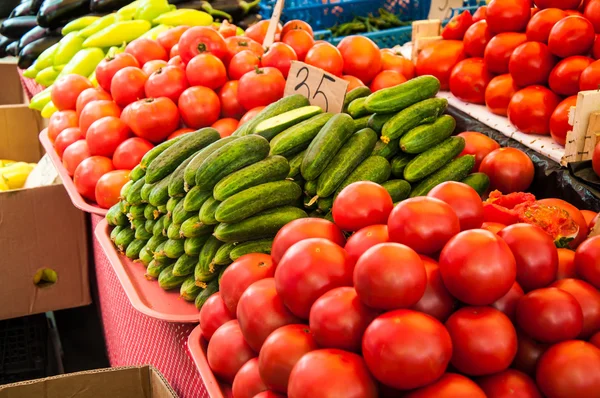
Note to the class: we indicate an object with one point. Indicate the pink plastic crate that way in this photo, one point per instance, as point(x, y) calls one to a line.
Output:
point(76, 198)
point(197, 347)
point(145, 296)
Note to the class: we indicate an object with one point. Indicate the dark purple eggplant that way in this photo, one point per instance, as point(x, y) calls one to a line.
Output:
point(107, 5)
point(54, 13)
point(23, 9)
point(33, 35)
point(4, 42)
point(32, 51)
point(177, 1)
point(11, 49)
point(6, 6)
point(17, 27)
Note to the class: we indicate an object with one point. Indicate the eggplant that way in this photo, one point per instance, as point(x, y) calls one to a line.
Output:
point(6, 6)
point(33, 35)
point(177, 1)
point(53, 13)
point(11, 49)
point(107, 5)
point(17, 27)
point(4, 42)
point(32, 51)
point(237, 9)
point(23, 9)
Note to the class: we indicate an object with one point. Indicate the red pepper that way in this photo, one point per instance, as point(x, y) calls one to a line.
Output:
point(458, 25)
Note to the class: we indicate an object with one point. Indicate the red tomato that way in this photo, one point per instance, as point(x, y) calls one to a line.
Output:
point(464, 200)
point(507, 383)
point(74, 155)
point(499, 93)
point(494, 227)
point(469, 80)
point(127, 85)
point(331, 373)
point(385, 79)
point(508, 15)
point(242, 63)
point(353, 82)
point(540, 25)
point(484, 341)
point(169, 82)
point(450, 385)
point(296, 25)
point(226, 126)
point(590, 77)
point(436, 300)
point(96, 110)
point(66, 138)
point(559, 121)
point(458, 25)
point(439, 58)
point(327, 57)
point(572, 35)
point(589, 217)
point(509, 170)
point(476, 39)
point(479, 15)
point(593, 223)
point(575, 214)
point(499, 49)
point(175, 53)
point(531, 63)
point(206, 70)
point(228, 351)
point(361, 57)
point(595, 340)
point(251, 114)
point(566, 264)
point(130, 152)
point(88, 173)
point(269, 394)
point(145, 50)
point(570, 369)
point(364, 239)
point(528, 353)
point(105, 135)
point(281, 351)
point(152, 119)
point(258, 31)
point(392, 363)
point(361, 204)
point(423, 224)
point(230, 106)
point(562, 4)
point(260, 87)
point(247, 382)
point(152, 66)
point(587, 261)
point(107, 68)
point(260, 311)
point(395, 62)
point(479, 145)
point(66, 89)
point(169, 38)
point(199, 107)
point(589, 299)
point(550, 315)
point(300, 41)
point(279, 56)
point(202, 39)
point(176, 61)
point(238, 44)
point(564, 79)
point(507, 304)
point(59, 121)
point(108, 188)
point(307, 270)
point(477, 267)
point(179, 132)
point(591, 13)
point(88, 95)
point(213, 314)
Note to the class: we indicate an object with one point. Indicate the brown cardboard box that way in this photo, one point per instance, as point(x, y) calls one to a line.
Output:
point(130, 382)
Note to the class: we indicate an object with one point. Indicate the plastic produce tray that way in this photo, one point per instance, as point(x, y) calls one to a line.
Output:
point(145, 296)
point(387, 38)
point(76, 198)
point(197, 348)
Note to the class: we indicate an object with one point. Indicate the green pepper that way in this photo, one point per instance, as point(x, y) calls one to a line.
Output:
point(118, 33)
point(49, 110)
point(46, 58)
point(151, 9)
point(46, 77)
point(78, 24)
point(31, 72)
point(128, 12)
point(155, 31)
point(83, 63)
point(100, 24)
point(68, 46)
point(184, 17)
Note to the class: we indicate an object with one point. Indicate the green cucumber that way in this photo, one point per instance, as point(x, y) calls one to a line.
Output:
point(124, 206)
point(159, 226)
point(176, 181)
point(296, 165)
point(192, 228)
point(168, 281)
point(154, 269)
point(394, 99)
point(174, 231)
point(297, 138)
point(162, 209)
point(357, 109)
point(478, 181)
point(310, 187)
point(426, 136)
point(167, 221)
point(256, 199)
point(202, 271)
point(138, 224)
point(262, 225)
point(136, 212)
point(273, 168)
point(125, 189)
point(137, 173)
point(157, 150)
point(386, 150)
point(399, 163)
point(208, 291)
point(223, 256)
point(184, 266)
point(195, 198)
point(124, 238)
point(326, 145)
point(456, 170)
point(145, 256)
point(159, 195)
point(271, 127)
point(142, 233)
point(361, 123)
point(174, 248)
point(116, 230)
point(398, 189)
point(433, 159)
point(173, 156)
point(115, 217)
point(277, 108)
point(171, 204)
point(134, 249)
point(180, 215)
point(355, 93)
point(378, 120)
point(374, 168)
point(149, 225)
point(324, 205)
point(159, 253)
point(134, 194)
point(252, 246)
point(207, 211)
point(230, 158)
point(155, 241)
point(188, 290)
point(189, 174)
point(145, 192)
point(420, 113)
point(150, 212)
point(354, 152)
point(192, 246)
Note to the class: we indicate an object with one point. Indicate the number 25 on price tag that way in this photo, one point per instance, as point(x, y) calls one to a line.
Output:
point(321, 88)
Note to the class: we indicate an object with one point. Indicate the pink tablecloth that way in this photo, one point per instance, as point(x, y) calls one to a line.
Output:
point(135, 339)
point(30, 86)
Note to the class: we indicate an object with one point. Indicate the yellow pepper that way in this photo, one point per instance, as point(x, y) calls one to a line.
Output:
point(100, 24)
point(46, 76)
point(118, 33)
point(40, 100)
point(16, 174)
point(6, 162)
point(78, 24)
point(93, 79)
point(3, 185)
point(128, 12)
point(114, 50)
point(49, 110)
point(184, 17)
point(150, 9)
point(155, 31)
point(68, 46)
point(31, 72)
point(46, 58)
point(83, 63)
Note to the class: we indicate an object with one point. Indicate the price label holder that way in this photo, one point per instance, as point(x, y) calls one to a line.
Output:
point(319, 87)
point(441, 9)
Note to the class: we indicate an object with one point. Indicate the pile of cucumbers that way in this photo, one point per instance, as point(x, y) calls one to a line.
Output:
point(198, 202)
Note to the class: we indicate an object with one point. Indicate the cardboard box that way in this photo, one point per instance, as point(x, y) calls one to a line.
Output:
point(129, 382)
point(39, 227)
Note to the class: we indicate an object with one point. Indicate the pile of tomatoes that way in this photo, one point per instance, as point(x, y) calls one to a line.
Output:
point(522, 62)
point(423, 300)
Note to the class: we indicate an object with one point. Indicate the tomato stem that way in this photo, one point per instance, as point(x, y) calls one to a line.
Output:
point(202, 48)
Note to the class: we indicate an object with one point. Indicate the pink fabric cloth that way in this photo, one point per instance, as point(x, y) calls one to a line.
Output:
point(30, 86)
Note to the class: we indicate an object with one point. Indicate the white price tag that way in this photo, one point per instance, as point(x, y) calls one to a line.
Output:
point(321, 88)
